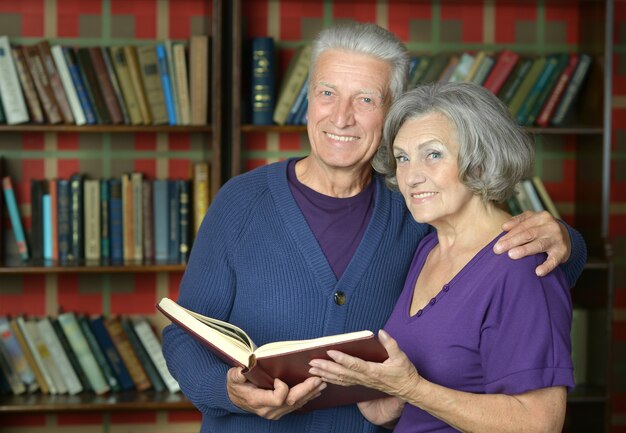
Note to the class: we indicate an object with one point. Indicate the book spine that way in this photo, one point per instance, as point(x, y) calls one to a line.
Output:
point(36, 218)
point(46, 206)
point(30, 358)
point(128, 227)
point(115, 221)
point(136, 180)
point(67, 348)
point(108, 348)
point(160, 204)
point(262, 81)
point(149, 68)
point(169, 55)
point(28, 86)
point(17, 356)
point(105, 86)
point(292, 85)
point(44, 89)
point(166, 84)
point(79, 345)
point(55, 81)
point(182, 83)
point(14, 217)
point(200, 193)
point(184, 219)
point(124, 348)
point(130, 54)
point(153, 347)
point(142, 356)
point(12, 98)
point(572, 90)
point(198, 78)
point(173, 247)
point(70, 91)
point(90, 78)
point(98, 354)
point(105, 197)
point(292, 118)
point(77, 219)
point(64, 223)
point(9, 374)
point(91, 194)
point(501, 70)
point(551, 104)
point(79, 85)
point(533, 95)
point(108, 63)
point(148, 220)
point(118, 58)
point(54, 218)
point(66, 371)
point(32, 338)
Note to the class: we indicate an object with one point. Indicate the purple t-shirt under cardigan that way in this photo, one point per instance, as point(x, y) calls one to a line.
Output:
point(494, 328)
point(337, 223)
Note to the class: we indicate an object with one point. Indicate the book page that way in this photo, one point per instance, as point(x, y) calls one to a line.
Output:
point(279, 347)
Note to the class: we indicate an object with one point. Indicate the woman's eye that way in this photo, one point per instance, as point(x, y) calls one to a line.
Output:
point(401, 158)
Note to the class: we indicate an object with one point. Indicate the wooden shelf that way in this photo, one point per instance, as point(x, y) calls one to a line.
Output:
point(103, 128)
point(55, 268)
point(89, 402)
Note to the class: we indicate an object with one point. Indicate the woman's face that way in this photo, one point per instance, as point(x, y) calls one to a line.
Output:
point(426, 152)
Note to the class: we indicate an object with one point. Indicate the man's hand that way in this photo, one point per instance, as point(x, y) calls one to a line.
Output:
point(532, 233)
point(273, 403)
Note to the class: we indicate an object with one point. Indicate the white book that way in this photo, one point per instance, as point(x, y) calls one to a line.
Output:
point(68, 85)
point(91, 191)
point(153, 347)
point(28, 331)
point(81, 349)
point(69, 376)
point(10, 89)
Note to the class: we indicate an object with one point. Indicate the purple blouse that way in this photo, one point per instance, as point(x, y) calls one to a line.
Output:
point(494, 328)
point(338, 224)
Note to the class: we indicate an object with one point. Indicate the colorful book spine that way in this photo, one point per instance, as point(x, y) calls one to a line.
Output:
point(142, 356)
point(115, 221)
point(12, 98)
point(548, 109)
point(68, 85)
point(77, 218)
point(92, 230)
point(14, 217)
point(42, 84)
point(105, 85)
point(79, 85)
point(90, 78)
point(98, 354)
point(173, 246)
point(108, 63)
point(572, 90)
point(17, 356)
point(64, 222)
point(28, 86)
point(108, 348)
point(46, 206)
point(54, 78)
point(166, 83)
point(184, 196)
point(105, 236)
point(160, 203)
point(262, 81)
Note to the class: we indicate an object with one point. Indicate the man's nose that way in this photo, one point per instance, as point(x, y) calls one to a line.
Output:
point(343, 113)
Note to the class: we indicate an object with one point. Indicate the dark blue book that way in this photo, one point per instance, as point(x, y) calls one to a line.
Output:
point(98, 353)
point(105, 244)
point(90, 79)
point(64, 230)
point(160, 204)
point(110, 352)
point(79, 84)
point(166, 83)
point(77, 219)
point(572, 90)
point(36, 219)
point(301, 99)
point(142, 355)
point(184, 195)
point(173, 199)
point(263, 95)
point(116, 233)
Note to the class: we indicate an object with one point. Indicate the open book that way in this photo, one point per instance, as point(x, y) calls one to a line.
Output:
point(286, 360)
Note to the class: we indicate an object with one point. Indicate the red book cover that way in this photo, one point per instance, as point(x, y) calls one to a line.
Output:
point(105, 85)
point(42, 84)
point(501, 70)
point(55, 81)
point(548, 109)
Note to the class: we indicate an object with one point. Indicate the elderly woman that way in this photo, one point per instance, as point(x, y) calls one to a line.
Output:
point(480, 343)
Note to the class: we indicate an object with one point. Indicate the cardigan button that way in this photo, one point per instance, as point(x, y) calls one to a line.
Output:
point(339, 298)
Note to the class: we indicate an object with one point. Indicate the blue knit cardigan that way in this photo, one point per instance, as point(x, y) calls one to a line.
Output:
point(256, 264)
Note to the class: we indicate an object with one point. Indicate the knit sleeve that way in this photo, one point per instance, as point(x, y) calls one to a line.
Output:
point(208, 287)
point(578, 256)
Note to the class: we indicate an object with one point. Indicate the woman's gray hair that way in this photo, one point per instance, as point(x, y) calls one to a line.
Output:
point(370, 39)
point(494, 152)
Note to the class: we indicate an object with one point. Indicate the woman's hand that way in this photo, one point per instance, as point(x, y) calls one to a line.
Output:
point(384, 411)
point(395, 376)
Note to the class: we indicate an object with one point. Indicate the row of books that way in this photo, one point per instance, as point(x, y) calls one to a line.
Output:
point(150, 84)
point(74, 353)
point(531, 194)
point(538, 90)
point(130, 219)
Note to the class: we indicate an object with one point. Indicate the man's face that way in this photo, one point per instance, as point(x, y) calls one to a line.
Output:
point(348, 100)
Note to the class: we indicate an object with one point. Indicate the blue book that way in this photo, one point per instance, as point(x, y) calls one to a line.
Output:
point(539, 85)
point(166, 83)
point(142, 355)
point(116, 233)
point(46, 207)
point(173, 245)
point(79, 84)
point(160, 205)
point(111, 354)
point(263, 81)
point(63, 219)
point(105, 246)
point(294, 112)
point(14, 216)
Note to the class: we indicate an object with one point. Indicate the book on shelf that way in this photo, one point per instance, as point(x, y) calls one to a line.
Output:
point(460, 72)
point(153, 348)
point(96, 350)
point(136, 182)
point(149, 368)
point(517, 75)
point(36, 219)
point(67, 374)
point(557, 92)
point(122, 70)
point(169, 57)
point(149, 67)
point(297, 71)
point(471, 71)
point(453, 62)
point(9, 373)
point(105, 85)
point(160, 202)
point(28, 86)
point(71, 355)
point(137, 373)
point(42, 84)
point(286, 360)
point(546, 200)
point(54, 218)
point(42, 357)
point(201, 193)
point(522, 199)
point(80, 346)
point(532, 195)
point(66, 79)
point(166, 83)
point(435, 68)
point(199, 78)
point(484, 69)
point(527, 83)
point(13, 102)
point(14, 217)
point(91, 194)
point(64, 219)
point(572, 90)
point(92, 85)
point(560, 63)
point(105, 342)
point(16, 327)
point(105, 234)
point(184, 219)
point(134, 69)
point(80, 85)
point(148, 220)
point(116, 220)
point(420, 70)
point(293, 118)
point(76, 251)
point(544, 80)
point(173, 230)
point(54, 79)
point(262, 94)
point(502, 68)
point(128, 226)
point(117, 90)
point(182, 83)
point(17, 356)
point(46, 212)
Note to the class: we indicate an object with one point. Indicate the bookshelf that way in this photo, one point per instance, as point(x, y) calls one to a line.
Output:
point(573, 159)
point(56, 150)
